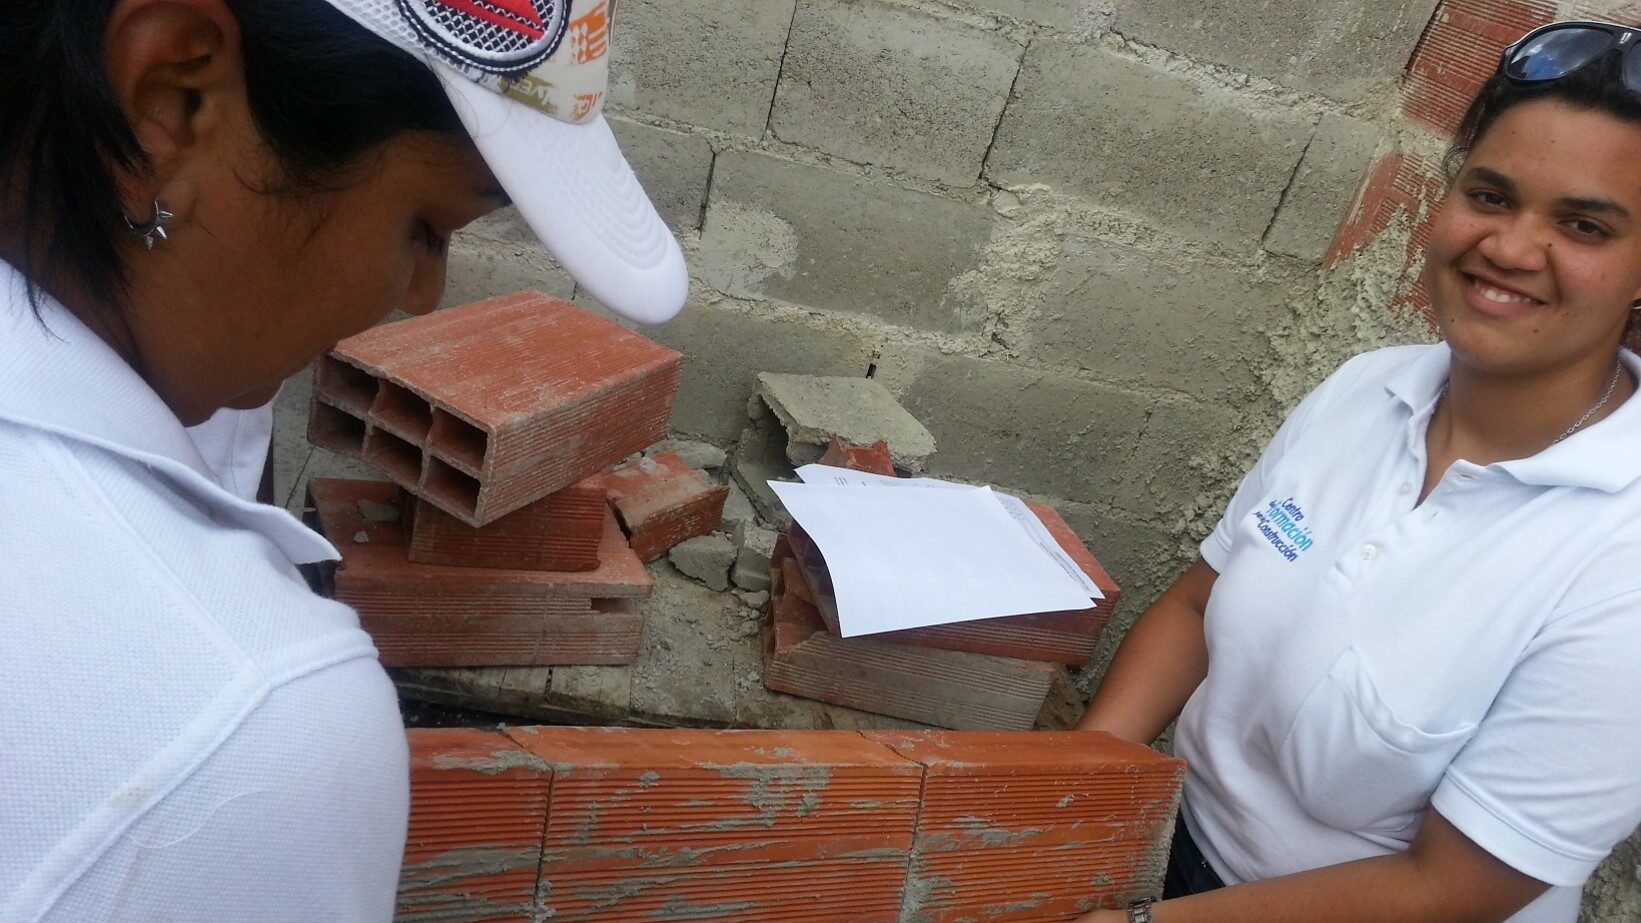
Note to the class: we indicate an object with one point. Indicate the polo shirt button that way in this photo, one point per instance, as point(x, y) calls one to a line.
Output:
point(1406, 488)
point(1369, 552)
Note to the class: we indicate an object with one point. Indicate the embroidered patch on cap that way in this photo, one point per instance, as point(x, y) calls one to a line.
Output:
point(505, 38)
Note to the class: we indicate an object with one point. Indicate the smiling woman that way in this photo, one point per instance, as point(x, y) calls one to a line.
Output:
point(1393, 723)
point(197, 198)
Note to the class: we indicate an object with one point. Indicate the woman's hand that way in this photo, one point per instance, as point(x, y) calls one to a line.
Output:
point(1105, 916)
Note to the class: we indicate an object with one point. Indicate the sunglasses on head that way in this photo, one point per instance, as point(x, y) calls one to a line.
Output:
point(1556, 50)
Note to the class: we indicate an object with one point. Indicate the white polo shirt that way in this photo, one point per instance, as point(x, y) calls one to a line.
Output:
point(1480, 652)
point(186, 732)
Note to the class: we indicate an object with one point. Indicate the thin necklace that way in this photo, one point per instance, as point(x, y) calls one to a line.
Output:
point(1605, 397)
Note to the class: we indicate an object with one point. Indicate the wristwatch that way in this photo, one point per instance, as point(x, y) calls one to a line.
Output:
point(1140, 910)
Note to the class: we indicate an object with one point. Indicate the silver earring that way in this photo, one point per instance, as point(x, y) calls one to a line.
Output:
point(154, 230)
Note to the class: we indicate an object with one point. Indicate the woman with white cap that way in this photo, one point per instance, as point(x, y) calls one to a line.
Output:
point(198, 198)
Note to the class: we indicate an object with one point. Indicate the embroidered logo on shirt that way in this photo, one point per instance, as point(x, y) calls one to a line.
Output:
point(1281, 524)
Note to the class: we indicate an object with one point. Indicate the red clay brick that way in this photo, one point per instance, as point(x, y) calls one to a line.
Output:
point(486, 408)
point(723, 825)
point(874, 458)
point(434, 615)
point(661, 501)
point(1459, 51)
point(561, 533)
point(1053, 637)
point(1035, 826)
point(478, 806)
point(954, 689)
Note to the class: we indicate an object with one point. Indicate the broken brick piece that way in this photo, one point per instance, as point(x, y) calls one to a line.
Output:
point(1035, 826)
point(486, 408)
point(724, 825)
point(873, 458)
point(661, 502)
point(559, 533)
point(1053, 637)
point(436, 615)
point(952, 689)
point(478, 805)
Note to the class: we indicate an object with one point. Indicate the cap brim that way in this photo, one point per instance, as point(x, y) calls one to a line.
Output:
point(579, 196)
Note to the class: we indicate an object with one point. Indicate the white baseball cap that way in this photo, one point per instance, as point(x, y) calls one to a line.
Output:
point(528, 79)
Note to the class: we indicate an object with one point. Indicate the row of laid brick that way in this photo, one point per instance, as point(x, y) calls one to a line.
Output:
point(622, 824)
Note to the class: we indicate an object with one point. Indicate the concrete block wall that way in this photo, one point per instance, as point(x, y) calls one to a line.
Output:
point(1097, 246)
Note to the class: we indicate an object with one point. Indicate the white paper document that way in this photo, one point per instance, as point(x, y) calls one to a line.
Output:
point(924, 554)
point(1022, 514)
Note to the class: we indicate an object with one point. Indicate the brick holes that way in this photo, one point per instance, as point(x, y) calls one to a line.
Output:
point(457, 441)
point(399, 410)
point(397, 458)
point(346, 385)
point(452, 488)
point(336, 430)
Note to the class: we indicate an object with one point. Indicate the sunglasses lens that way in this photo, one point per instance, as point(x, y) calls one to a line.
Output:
point(1632, 70)
point(1557, 53)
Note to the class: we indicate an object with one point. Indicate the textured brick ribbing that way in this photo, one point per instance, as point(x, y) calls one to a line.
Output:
point(560, 533)
point(952, 689)
point(488, 407)
point(434, 615)
point(478, 804)
point(1053, 637)
point(1036, 826)
point(1460, 51)
point(723, 825)
point(662, 501)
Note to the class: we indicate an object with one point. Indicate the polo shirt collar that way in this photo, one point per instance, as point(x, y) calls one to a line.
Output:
point(58, 376)
point(1605, 456)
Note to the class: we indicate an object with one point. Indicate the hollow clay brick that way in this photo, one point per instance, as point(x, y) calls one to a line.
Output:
point(561, 533)
point(723, 825)
point(874, 458)
point(486, 408)
point(953, 689)
point(478, 805)
point(435, 615)
point(1035, 826)
point(661, 502)
point(1052, 637)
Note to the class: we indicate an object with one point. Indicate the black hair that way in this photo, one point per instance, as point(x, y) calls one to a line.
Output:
point(1595, 87)
point(324, 91)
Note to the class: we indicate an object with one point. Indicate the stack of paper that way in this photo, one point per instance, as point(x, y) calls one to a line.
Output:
point(914, 552)
point(941, 603)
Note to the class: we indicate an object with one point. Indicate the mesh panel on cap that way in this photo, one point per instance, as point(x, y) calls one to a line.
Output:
point(486, 36)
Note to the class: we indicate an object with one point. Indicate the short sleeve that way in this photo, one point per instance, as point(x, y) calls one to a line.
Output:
point(1551, 781)
point(299, 815)
point(1216, 548)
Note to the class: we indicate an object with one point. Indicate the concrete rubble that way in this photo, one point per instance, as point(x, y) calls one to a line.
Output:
point(754, 548)
point(707, 558)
